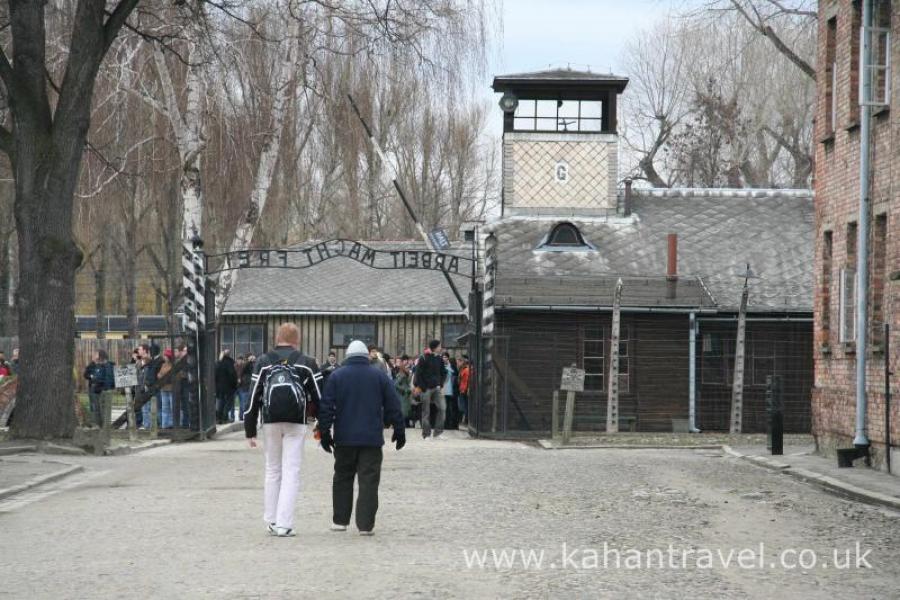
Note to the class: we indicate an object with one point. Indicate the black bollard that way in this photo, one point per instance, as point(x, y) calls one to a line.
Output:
point(775, 408)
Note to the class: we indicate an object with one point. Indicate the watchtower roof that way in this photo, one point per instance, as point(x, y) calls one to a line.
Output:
point(560, 80)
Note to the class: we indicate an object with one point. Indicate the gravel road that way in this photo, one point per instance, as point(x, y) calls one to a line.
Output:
point(185, 521)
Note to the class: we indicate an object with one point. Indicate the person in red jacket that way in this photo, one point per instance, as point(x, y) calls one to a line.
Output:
point(465, 371)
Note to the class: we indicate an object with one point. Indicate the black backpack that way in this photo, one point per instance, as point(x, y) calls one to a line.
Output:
point(284, 397)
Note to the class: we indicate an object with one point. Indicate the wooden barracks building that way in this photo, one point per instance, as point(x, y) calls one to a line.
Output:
point(344, 299)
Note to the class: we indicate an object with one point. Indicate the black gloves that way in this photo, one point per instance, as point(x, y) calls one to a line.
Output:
point(400, 438)
point(327, 441)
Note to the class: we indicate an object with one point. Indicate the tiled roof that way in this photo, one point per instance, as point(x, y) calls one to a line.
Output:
point(343, 285)
point(719, 232)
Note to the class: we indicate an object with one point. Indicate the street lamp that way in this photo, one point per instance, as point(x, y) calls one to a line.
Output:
point(509, 102)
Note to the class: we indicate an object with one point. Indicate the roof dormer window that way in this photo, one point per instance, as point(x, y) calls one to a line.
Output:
point(565, 236)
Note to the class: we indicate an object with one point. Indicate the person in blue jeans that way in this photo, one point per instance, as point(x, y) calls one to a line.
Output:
point(245, 377)
point(165, 390)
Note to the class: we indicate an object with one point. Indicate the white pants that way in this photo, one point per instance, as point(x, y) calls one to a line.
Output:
point(283, 445)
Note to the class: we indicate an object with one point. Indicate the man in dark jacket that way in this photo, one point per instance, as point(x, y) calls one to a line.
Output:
point(101, 377)
point(428, 380)
point(226, 387)
point(359, 399)
point(148, 367)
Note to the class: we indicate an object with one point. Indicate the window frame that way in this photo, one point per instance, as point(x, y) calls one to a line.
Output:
point(762, 349)
point(827, 277)
point(534, 119)
point(831, 27)
point(599, 337)
point(447, 342)
point(717, 360)
point(353, 324)
point(880, 71)
point(548, 242)
point(847, 305)
point(247, 346)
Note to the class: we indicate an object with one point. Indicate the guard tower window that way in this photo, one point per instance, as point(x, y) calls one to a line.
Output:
point(565, 116)
point(565, 235)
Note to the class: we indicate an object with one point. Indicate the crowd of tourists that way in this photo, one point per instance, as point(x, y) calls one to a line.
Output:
point(166, 378)
point(436, 401)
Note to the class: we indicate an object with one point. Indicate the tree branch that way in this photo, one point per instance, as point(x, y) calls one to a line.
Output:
point(768, 32)
point(115, 21)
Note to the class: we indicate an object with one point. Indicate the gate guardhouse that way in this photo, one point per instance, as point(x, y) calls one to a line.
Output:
point(567, 234)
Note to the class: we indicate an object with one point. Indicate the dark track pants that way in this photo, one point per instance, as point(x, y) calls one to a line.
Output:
point(364, 463)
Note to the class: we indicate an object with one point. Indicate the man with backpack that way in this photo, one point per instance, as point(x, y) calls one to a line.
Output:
point(286, 395)
point(359, 400)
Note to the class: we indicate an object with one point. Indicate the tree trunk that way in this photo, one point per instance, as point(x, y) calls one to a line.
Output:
point(100, 289)
point(5, 280)
point(45, 147)
point(45, 186)
point(187, 127)
point(130, 264)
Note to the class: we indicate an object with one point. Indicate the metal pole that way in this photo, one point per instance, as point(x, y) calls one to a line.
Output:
point(199, 389)
point(412, 215)
point(129, 413)
point(862, 243)
point(570, 414)
point(887, 396)
point(554, 419)
point(692, 374)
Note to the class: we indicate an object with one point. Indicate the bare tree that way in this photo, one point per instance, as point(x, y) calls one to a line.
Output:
point(287, 63)
point(657, 61)
point(714, 103)
point(767, 16)
point(49, 126)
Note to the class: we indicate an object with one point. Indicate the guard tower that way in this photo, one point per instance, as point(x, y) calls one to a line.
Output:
point(560, 146)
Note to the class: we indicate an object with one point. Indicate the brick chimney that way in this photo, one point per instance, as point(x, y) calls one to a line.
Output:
point(672, 267)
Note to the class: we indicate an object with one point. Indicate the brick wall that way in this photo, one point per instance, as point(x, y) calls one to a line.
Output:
point(837, 205)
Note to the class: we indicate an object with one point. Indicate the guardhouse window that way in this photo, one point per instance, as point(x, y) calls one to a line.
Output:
point(565, 116)
point(565, 235)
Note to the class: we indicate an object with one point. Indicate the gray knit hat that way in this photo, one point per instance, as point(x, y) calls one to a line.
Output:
point(357, 348)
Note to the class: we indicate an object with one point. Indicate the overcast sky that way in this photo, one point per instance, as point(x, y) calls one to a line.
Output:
point(539, 33)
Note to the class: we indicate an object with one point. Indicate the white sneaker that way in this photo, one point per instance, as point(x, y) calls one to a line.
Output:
point(284, 532)
point(367, 533)
point(270, 527)
point(336, 527)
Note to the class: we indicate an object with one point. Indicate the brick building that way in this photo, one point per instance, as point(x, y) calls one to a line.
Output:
point(838, 192)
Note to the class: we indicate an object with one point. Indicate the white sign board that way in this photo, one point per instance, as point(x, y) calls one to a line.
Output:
point(126, 376)
point(572, 379)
